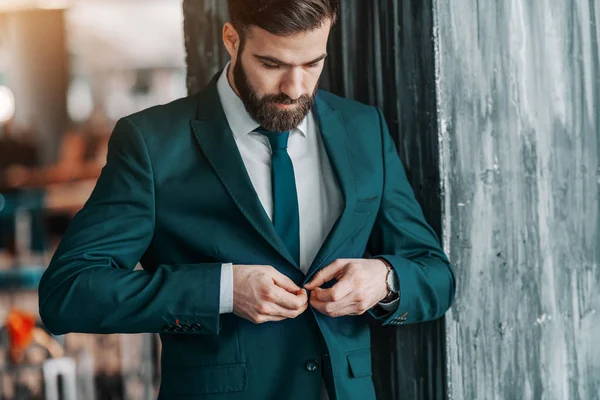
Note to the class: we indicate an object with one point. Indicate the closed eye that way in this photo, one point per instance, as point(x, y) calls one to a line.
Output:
point(270, 66)
point(273, 63)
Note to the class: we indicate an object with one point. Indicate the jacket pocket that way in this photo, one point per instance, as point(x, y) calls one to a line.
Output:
point(205, 380)
point(359, 362)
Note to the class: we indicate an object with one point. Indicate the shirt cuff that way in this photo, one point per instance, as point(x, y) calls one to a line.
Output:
point(226, 295)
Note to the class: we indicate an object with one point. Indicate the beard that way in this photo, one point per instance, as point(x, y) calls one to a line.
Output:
point(264, 110)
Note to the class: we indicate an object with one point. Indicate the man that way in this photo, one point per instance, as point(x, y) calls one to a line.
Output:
point(250, 207)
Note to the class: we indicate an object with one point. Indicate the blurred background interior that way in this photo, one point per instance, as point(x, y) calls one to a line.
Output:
point(495, 114)
point(69, 70)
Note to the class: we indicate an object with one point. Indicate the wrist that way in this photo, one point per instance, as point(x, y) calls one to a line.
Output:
point(391, 281)
point(392, 296)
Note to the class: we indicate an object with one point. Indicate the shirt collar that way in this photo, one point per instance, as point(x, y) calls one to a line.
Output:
point(240, 122)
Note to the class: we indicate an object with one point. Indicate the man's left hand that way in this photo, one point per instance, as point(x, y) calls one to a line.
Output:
point(361, 284)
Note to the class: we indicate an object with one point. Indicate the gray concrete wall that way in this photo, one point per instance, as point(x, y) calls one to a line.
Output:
point(518, 94)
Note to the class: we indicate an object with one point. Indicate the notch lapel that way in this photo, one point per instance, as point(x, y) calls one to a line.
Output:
point(217, 142)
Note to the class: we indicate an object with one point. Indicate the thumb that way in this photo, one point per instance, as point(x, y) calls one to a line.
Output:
point(286, 283)
point(326, 274)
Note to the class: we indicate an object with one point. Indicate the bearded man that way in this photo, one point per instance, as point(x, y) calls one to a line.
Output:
point(251, 206)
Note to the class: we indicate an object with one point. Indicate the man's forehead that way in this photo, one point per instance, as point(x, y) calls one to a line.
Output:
point(259, 36)
point(299, 48)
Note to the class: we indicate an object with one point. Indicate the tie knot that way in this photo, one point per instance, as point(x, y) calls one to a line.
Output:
point(279, 140)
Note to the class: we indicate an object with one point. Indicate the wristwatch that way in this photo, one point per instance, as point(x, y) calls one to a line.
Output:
point(393, 284)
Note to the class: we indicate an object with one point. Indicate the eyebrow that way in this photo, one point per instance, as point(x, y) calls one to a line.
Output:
point(274, 60)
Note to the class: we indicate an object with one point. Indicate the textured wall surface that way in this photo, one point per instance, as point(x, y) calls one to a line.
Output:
point(519, 91)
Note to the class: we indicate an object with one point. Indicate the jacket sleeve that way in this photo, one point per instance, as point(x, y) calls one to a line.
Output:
point(91, 286)
point(402, 237)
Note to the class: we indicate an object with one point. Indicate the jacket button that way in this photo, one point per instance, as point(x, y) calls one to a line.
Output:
point(311, 365)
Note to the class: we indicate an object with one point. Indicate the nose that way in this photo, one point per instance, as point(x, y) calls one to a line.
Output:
point(292, 84)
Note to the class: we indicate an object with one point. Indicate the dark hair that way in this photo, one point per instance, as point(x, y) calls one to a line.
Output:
point(281, 17)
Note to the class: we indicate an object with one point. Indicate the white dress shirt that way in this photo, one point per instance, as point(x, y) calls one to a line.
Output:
point(320, 200)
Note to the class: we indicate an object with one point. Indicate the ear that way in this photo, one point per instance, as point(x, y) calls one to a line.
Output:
point(231, 39)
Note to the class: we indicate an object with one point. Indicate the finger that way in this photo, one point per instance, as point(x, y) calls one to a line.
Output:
point(285, 282)
point(336, 293)
point(261, 319)
point(328, 307)
point(278, 313)
point(326, 274)
point(303, 295)
point(295, 313)
point(335, 309)
point(352, 309)
point(287, 300)
point(318, 305)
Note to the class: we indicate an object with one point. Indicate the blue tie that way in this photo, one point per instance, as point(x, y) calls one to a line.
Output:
point(286, 216)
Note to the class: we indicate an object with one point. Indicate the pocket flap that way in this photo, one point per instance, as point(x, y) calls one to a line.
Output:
point(360, 363)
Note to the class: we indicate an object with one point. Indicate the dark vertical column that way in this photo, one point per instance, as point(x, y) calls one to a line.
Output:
point(38, 74)
point(519, 100)
point(382, 53)
point(206, 54)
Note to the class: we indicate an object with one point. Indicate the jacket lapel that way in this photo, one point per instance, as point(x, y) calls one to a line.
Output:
point(335, 140)
point(218, 145)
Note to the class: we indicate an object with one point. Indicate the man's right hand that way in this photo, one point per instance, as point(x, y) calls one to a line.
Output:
point(262, 294)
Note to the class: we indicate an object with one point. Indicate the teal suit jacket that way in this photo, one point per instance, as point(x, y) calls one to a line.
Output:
point(175, 196)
